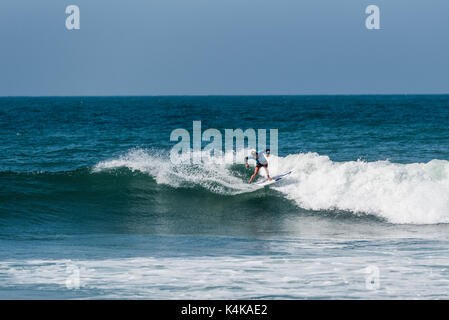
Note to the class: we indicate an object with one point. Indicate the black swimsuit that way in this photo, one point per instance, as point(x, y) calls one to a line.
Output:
point(258, 164)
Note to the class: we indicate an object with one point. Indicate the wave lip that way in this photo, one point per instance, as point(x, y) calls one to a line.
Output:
point(215, 175)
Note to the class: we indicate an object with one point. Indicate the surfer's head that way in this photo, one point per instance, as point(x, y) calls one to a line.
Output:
point(267, 152)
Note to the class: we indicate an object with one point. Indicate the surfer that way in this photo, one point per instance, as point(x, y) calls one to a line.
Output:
point(261, 161)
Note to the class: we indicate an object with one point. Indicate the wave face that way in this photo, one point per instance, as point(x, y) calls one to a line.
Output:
point(415, 193)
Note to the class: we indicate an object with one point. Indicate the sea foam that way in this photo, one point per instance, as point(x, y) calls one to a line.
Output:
point(416, 193)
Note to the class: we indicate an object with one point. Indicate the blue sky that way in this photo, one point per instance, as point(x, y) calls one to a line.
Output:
point(177, 47)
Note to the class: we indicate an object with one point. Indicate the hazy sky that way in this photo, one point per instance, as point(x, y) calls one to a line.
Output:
point(164, 47)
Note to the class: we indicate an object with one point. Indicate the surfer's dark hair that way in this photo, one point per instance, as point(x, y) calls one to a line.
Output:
point(267, 150)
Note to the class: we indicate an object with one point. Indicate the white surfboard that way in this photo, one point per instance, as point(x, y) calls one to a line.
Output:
point(275, 179)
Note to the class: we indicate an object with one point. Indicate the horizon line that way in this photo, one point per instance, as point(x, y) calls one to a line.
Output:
point(225, 95)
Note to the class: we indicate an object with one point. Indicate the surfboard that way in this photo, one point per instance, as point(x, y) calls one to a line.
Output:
point(276, 179)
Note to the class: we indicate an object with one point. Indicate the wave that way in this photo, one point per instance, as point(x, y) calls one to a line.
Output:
point(416, 193)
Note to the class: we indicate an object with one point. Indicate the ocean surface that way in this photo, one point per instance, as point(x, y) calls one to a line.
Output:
point(91, 207)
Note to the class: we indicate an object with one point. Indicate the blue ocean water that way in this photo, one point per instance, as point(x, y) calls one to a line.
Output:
point(92, 207)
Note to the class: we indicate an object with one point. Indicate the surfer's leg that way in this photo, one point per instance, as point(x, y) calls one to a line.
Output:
point(268, 173)
point(256, 171)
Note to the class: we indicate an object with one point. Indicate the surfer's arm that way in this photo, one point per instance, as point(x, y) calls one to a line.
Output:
point(246, 160)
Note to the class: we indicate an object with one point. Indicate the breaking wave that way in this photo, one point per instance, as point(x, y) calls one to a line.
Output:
point(416, 193)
